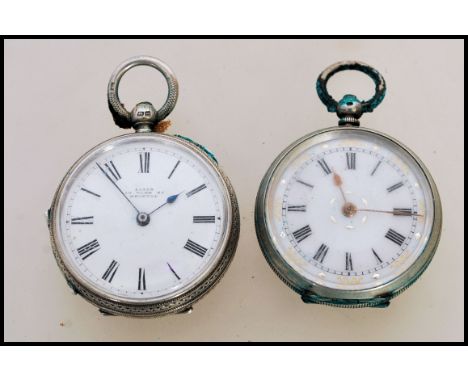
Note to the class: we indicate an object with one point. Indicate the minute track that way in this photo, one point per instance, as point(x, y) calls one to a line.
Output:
point(154, 188)
point(292, 190)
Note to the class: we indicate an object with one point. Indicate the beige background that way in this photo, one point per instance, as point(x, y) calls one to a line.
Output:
point(245, 100)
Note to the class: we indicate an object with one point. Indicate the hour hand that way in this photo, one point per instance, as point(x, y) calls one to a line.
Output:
point(170, 199)
point(339, 183)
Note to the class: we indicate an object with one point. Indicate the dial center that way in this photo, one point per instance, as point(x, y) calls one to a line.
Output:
point(349, 209)
point(143, 219)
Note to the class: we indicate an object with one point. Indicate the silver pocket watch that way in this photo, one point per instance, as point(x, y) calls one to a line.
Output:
point(347, 216)
point(144, 224)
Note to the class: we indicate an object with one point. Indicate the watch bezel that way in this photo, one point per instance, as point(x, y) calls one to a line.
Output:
point(177, 302)
point(304, 286)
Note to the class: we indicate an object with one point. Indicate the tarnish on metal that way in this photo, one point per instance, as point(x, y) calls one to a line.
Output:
point(318, 294)
point(208, 152)
point(349, 109)
point(125, 119)
point(183, 302)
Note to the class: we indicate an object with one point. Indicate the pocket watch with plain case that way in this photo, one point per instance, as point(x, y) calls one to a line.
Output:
point(347, 216)
point(144, 224)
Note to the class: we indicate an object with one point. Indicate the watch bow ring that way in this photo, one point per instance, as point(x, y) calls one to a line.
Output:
point(350, 108)
point(123, 117)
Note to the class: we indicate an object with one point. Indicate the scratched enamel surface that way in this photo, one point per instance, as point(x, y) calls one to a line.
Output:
point(378, 238)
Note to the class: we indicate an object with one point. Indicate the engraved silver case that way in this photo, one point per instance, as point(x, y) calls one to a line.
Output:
point(183, 300)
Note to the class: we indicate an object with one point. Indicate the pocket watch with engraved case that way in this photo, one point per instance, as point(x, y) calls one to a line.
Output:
point(144, 224)
point(347, 216)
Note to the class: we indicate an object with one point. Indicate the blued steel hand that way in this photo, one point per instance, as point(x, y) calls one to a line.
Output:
point(118, 188)
point(170, 199)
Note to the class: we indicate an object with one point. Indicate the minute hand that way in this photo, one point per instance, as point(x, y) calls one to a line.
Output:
point(118, 188)
point(397, 212)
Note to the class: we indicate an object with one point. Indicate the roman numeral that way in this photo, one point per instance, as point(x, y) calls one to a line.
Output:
point(299, 208)
point(377, 256)
point(90, 192)
point(144, 162)
point(395, 187)
point(112, 170)
point(304, 183)
point(403, 212)
point(173, 271)
point(351, 161)
point(172, 172)
point(321, 253)
point(302, 233)
point(395, 237)
point(324, 166)
point(349, 262)
point(195, 190)
point(88, 249)
point(375, 168)
point(83, 220)
point(195, 248)
point(203, 219)
point(141, 279)
point(110, 272)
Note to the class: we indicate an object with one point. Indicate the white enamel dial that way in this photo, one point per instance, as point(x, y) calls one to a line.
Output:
point(142, 218)
point(349, 211)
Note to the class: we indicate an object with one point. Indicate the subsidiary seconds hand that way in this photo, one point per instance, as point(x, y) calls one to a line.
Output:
point(118, 188)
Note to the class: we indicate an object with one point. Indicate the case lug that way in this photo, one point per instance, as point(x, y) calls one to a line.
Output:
point(188, 310)
point(73, 288)
point(47, 217)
